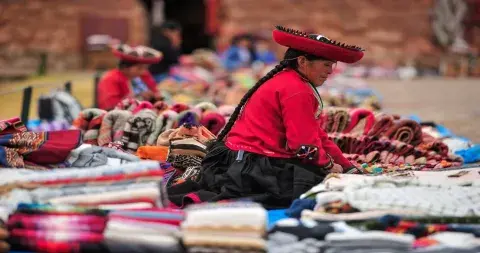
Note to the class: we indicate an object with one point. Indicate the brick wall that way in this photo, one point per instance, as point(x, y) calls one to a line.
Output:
point(28, 27)
point(386, 28)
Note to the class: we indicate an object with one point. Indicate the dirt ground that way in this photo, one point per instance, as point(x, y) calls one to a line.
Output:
point(454, 103)
point(450, 102)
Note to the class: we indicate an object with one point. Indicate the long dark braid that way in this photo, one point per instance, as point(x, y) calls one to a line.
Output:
point(236, 113)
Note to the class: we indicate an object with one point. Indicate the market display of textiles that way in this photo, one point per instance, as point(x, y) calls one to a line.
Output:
point(99, 181)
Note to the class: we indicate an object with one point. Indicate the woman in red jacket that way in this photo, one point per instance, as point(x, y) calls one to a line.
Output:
point(272, 149)
point(131, 78)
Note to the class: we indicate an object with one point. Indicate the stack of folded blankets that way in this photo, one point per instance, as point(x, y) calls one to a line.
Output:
point(368, 242)
point(148, 230)
point(130, 185)
point(48, 228)
point(225, 227)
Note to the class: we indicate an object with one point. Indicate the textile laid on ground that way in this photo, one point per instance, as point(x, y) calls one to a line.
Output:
point(92, 156)
point(37, 150)
point(211, 226)
point(137, 184)
point(440, 193)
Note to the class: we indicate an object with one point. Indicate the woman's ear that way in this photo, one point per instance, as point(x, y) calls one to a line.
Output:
point(301, 60)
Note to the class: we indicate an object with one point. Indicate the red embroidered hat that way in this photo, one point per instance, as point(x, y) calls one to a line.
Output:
point(137, 54)
point(317, 45)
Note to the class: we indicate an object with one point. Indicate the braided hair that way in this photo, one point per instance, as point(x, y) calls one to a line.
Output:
point(289, 61)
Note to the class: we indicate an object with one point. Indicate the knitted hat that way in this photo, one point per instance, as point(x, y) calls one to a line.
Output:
point(190, 117)
point(164, 121)
point(206, 106)
point(112, 126)
point(138, 128)
point(213, 121)
point(180, 107)
point(142, 105)
point(226, 110)
point(127, 104)
point(89, 122)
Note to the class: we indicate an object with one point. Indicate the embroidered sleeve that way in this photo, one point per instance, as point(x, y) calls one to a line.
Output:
point(298, 114)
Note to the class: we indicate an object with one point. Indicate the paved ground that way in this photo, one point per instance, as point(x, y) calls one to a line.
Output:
point(454, 103)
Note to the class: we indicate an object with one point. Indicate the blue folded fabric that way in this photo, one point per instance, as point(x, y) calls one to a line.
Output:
point(470, 155)
point(274, 216)
point(298, 205)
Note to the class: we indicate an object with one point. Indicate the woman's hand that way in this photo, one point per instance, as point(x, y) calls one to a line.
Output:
point(336, 168)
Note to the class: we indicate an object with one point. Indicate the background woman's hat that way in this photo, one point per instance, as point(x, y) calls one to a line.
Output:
point(317, 45)
point(137, 54)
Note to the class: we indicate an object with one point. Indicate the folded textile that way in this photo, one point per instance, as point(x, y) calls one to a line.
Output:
point(361, 121)
point(405, 130)
point(112, 126)
point(212, 225)
point(216, 249)
point(13, 125)
point(213, 121)
point(429, 198)
point(164, 122)
point(138, 128)
point(298, 205)
point(149, 194)
point(371, 240)
point(50, 246)
point(335, 119)
point(280, 242)
point(89, 122)
point(93, 156)
point(73, 222)
point(37, 150)
point(382, 124)
point(396, 224)
point(302, 229)
point(119, 242)
point(158, 153)
point(66, 236)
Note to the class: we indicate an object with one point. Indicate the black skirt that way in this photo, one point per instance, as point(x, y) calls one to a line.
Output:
point(225, 174)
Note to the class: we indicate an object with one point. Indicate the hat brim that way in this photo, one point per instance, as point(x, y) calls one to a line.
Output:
point(317, 48)
point(155, 58)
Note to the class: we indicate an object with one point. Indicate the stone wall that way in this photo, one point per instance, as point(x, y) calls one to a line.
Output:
point(388, 29)
point(29, 27)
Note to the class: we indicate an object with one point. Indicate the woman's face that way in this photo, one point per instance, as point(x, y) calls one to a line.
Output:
point(317, 71)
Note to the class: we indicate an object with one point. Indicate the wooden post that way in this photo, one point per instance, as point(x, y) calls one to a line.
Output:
point(26, 101)
point(68, 87)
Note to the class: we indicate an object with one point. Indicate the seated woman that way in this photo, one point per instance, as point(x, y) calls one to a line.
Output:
point(272, 149)
point(131, 78)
